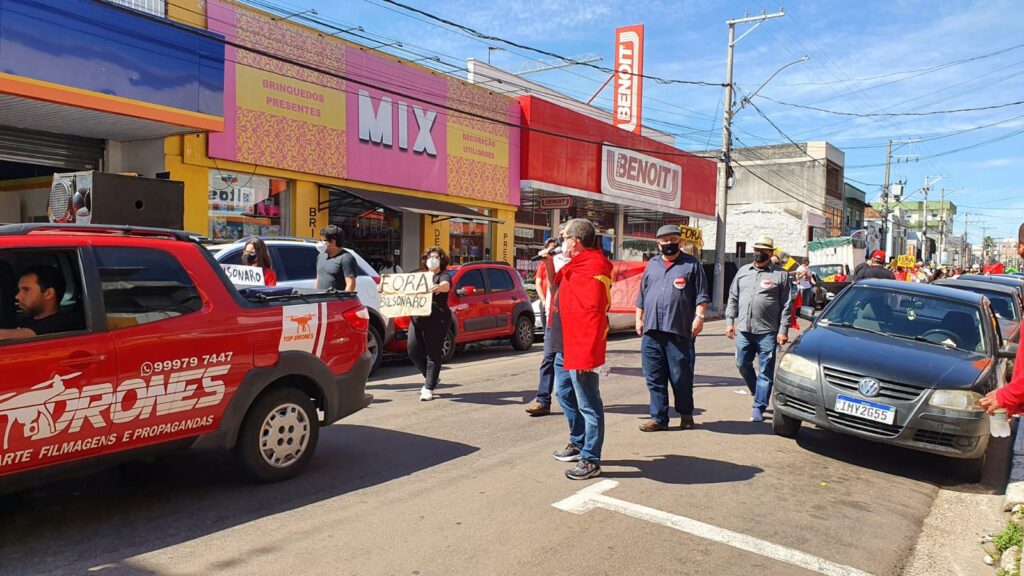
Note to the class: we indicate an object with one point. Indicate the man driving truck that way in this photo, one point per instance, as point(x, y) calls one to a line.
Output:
point(40, 290)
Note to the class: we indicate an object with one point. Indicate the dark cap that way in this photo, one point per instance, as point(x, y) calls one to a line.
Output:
point(668, 229)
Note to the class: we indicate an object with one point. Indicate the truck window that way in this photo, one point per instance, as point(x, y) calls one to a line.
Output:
point(69, 315)
point(142, 285)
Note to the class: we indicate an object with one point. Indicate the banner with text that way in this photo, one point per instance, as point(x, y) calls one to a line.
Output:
point(406, 294)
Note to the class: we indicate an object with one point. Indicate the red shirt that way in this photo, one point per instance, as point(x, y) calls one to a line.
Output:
point(269, 278)
point(1011, 396)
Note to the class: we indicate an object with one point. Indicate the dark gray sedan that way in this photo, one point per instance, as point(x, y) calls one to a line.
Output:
point(898, 363)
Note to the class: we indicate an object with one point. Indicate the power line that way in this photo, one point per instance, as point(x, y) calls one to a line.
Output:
point(891, 114)
point(916, 73)
point(566, 59)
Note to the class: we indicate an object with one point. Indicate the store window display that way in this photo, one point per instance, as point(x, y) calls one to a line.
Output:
point(244, 205)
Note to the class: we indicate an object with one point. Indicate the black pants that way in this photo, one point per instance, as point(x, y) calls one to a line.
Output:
point(426, 345)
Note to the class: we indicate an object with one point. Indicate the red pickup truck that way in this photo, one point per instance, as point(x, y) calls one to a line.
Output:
point(156, 349)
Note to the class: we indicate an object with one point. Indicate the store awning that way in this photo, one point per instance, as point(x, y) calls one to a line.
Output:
point(438, 210)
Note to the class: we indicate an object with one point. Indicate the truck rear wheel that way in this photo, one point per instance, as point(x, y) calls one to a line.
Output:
point(279, 435)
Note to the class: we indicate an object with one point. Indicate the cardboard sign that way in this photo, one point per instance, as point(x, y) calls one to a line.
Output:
point(406, 294)
point(244, 275)
point(906, 261)
point(692, 236)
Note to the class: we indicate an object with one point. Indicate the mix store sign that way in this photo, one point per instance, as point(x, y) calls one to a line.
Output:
point(347, 113)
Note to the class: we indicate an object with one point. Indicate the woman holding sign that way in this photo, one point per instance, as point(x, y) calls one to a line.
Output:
point(427, 333)
point(256, 254)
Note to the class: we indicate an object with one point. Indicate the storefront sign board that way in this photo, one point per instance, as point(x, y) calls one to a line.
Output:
point(359, 115)
point(635, 176)
point(560, 202)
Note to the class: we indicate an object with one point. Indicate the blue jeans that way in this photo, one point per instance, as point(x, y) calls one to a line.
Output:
point(762, 346)
point(547, 372)
point(580, 397)
point(807, 296)
point(667, 359)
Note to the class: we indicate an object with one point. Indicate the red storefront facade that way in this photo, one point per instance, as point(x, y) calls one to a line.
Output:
point(575, 165)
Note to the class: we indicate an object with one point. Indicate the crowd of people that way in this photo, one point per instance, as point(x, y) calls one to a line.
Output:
point(573, 285)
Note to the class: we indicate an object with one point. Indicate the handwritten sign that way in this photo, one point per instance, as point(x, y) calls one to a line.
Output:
point(406, 294)
point(906, 261)
point(244, 275)
point(692, 236)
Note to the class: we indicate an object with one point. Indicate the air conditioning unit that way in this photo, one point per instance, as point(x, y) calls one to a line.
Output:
point(99, 198)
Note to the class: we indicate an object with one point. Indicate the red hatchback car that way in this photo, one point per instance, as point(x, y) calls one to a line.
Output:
point(488, 302)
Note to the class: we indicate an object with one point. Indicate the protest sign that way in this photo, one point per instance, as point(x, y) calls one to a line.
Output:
point(244, 275)
point(406, 294)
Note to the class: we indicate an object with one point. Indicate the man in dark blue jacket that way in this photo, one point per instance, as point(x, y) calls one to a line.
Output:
point(670, 308)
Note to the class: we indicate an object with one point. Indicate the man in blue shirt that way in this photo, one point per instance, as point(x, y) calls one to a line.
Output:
point(670, 308)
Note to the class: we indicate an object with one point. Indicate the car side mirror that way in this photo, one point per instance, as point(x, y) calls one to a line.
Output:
point(1008, 352)
point(808, 313)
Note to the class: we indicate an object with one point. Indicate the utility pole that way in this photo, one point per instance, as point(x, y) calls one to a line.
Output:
point(942, 228)
point(885, 199)
point(718, 294)
point(924, 224)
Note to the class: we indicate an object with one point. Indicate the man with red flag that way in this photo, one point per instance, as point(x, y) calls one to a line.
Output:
point(579, 337)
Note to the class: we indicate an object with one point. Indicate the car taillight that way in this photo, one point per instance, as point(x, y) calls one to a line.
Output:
point(376, 280)
point(358, 318)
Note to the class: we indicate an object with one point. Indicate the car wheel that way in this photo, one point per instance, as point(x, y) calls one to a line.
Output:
point(522, 338)
point(375, 345)
point(279, 435)
point(783, 425)
point(448, 347)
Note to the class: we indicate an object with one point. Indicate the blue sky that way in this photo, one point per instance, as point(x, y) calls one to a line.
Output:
point(865, 57)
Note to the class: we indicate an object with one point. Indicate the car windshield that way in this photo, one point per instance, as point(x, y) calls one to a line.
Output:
point(911, 316)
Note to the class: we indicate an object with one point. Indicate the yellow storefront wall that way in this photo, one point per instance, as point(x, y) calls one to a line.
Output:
point(186, 160)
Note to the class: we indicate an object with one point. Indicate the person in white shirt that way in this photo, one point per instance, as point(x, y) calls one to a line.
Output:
point(805, 283)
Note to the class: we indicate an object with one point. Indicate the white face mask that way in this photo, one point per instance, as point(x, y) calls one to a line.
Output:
point(433, 263)
point(321, 247)
point(565, 247)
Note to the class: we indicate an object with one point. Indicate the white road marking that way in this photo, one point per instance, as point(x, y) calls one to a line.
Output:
point(593, 497)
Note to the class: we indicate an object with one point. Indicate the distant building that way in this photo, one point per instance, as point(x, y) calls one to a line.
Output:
point(793, 193)
point(854, 203)
point(896, 240)
point(935, 220)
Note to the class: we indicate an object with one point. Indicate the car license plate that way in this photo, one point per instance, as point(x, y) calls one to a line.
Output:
point(865, 409)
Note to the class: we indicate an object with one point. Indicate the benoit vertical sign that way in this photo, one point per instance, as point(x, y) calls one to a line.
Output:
point(629, 69)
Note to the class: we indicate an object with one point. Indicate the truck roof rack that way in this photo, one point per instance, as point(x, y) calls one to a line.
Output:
point(49, 228)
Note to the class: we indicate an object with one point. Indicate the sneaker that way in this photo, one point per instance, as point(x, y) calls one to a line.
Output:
point(583, 471)
point(653, 426)
point(756, 415)
point(426, 394)
point(570, 454)
point(538, 409)
point(687, 423)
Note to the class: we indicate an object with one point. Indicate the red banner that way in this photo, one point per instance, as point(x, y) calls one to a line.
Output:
point(629, 69)
point(626, 277)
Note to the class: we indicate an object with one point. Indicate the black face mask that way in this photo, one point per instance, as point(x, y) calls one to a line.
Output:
point(669, 249)
point(761, 257)
point(250, 258)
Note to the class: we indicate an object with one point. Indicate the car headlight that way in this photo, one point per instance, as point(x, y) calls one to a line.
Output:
point(962, 400)
point(799, 366)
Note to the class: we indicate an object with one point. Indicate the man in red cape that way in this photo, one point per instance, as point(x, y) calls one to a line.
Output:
point(579, 334)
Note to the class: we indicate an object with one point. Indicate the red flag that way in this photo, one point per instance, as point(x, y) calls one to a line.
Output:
point(996, 268)
point(584, 296)
point(793, 324)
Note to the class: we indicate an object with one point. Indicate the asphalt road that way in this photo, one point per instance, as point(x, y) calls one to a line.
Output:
point(466, 485)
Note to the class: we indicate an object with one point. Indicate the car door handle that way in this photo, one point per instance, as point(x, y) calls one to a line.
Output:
point(487, 301)
point(81, 360)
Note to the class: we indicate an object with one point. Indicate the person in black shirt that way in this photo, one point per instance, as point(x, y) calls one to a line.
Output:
point(40, 290)
point(873, 268)
point(335, 267)
point(427, 333)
